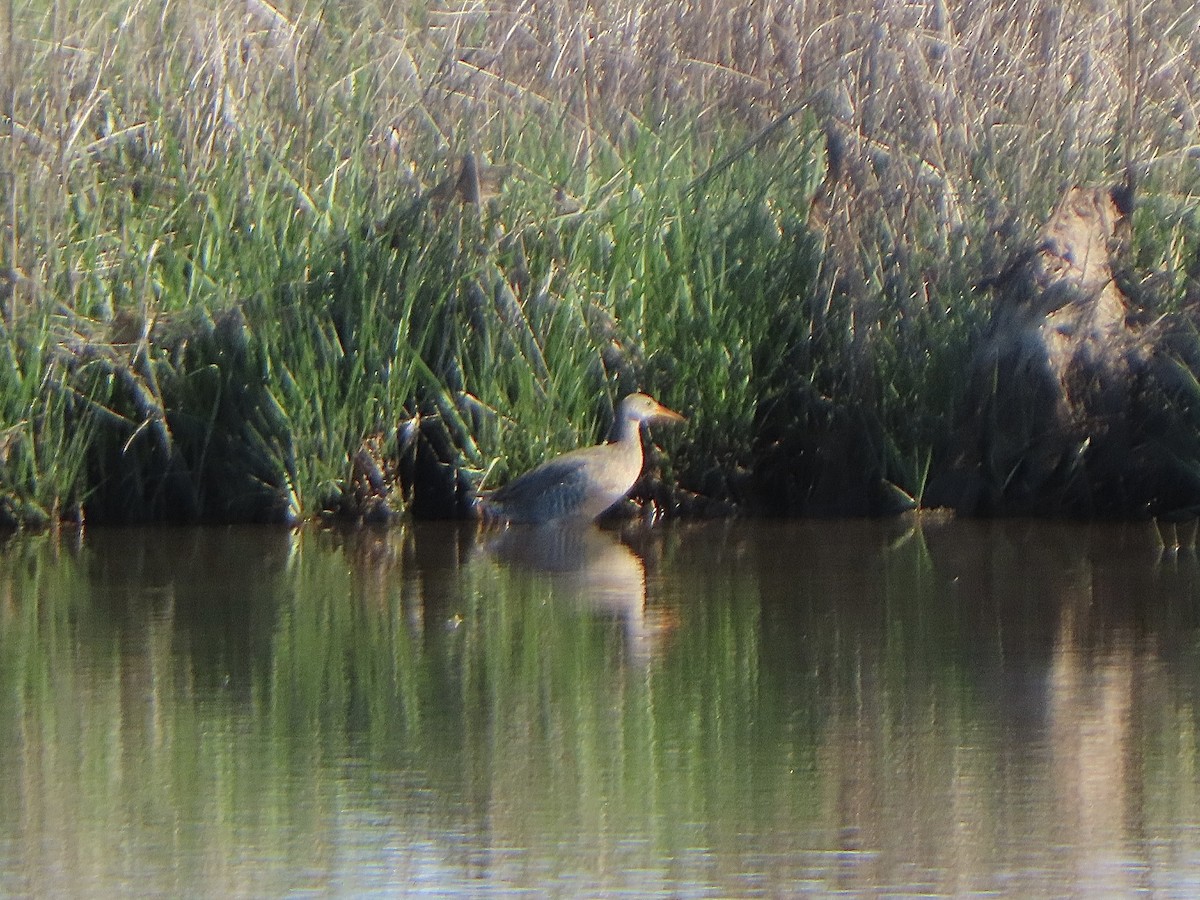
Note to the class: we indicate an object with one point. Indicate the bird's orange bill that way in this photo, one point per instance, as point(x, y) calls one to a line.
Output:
point(667, 415)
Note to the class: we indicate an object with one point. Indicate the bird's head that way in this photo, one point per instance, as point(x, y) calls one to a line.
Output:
point(644, 408)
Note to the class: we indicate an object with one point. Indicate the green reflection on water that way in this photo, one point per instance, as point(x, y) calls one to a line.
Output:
point(724, 709)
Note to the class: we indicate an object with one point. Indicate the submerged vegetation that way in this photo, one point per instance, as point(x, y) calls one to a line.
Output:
point(267, 262)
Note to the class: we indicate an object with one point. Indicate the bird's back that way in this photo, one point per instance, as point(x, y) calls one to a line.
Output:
point(548, 492)
point(578, 485)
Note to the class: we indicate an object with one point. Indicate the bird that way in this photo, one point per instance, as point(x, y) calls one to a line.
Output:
point(579, 485)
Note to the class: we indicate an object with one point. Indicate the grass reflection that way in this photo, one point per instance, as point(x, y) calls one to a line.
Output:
point(725, 707)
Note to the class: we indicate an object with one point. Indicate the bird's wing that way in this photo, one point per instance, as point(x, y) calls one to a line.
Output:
point(550, 490)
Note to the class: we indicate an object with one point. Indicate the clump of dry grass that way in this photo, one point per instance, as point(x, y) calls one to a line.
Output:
point(950, 125)
point(940, 114)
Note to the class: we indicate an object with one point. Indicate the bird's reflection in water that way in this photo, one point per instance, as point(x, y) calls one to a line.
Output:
point(593, 568)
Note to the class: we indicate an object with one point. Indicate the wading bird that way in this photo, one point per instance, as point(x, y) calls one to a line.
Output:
point(580, 485)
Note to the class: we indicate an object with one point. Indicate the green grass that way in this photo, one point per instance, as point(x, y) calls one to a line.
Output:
point(41, 456)
point(226, 276)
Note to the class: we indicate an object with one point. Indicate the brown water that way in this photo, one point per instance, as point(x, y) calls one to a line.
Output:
point(731, 709)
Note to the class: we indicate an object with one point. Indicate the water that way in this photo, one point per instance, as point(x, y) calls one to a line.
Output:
point(727, 709)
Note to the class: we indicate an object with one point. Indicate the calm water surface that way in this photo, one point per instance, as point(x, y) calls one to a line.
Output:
point(728, 709)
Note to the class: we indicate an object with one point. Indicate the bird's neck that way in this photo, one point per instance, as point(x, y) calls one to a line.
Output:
point(628, 431)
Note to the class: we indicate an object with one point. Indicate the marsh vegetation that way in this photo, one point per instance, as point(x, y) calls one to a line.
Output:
point(274, 262)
